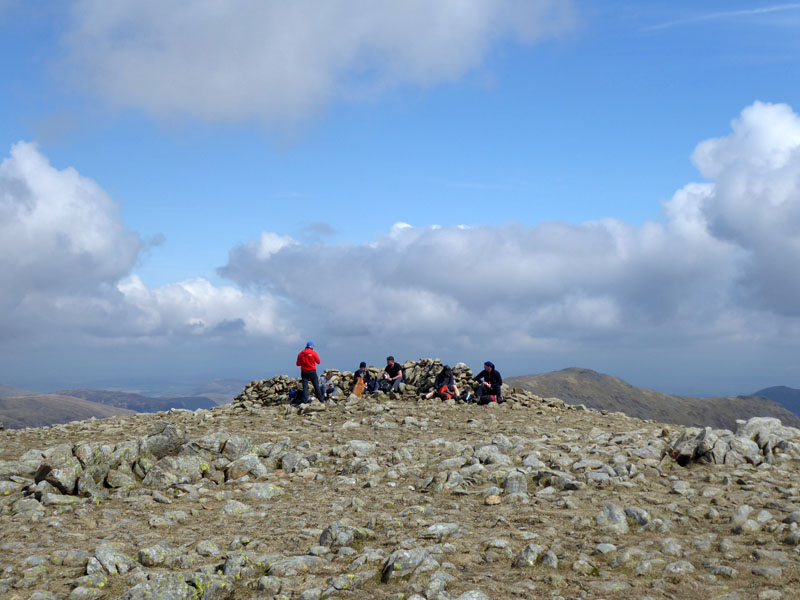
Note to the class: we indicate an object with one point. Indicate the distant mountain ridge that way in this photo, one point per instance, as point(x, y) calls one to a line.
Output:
point(6, 391)
point(603, 392)
point(139, 403)
point(788, 398)
point(42, 410)
point(21, 408)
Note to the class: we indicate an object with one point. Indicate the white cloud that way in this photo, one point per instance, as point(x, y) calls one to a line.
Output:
point(720, 260)
point(748, 14)
point(600, 278)
point(278, 61)
point(58, 230)
point(755, 201)
point(717, 268)
point(270, 243)
point(196, 307)
point(65, 262)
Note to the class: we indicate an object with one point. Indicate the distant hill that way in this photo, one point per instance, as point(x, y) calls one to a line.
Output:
point(50, 409)
point(6, 391)
point(788, 398)
point(27, 409)
point(596, 390)
point(139, 403)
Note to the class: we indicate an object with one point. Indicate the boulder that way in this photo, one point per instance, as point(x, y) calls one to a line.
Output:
point(172, 470)
point(60, 469)
point(755, 441)
point(163, 439)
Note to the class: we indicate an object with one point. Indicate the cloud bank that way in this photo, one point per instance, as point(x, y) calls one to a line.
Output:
point(283, 61)
point(717, 266)
point(65, 269)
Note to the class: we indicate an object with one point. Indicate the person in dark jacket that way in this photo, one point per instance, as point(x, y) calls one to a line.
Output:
point(490, 384)
point(369, 385)
point(444, 386)
point(308, 360)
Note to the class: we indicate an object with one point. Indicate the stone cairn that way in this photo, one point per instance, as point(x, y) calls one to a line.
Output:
point(419, 377)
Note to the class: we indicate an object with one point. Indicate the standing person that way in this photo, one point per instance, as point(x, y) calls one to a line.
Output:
point(308, 360)
point(444, 386)
point(490, 384)
point(393, 374)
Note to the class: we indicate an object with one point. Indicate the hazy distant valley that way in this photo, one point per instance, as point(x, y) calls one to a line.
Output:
point(21, 408)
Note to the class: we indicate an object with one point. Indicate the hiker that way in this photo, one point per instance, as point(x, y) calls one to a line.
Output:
point(392, 375)
point(490, 384)
point(369, 384)
point(308, 360)
point(328, 388)
point(444, 386)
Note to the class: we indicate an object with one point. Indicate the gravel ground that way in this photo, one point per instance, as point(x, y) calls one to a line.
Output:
point(392, 499)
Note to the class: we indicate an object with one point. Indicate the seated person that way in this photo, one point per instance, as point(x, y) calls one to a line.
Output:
point(369, 384)
point(327, 386)
point(490, 384)
point(392, 375)
point(444, 386)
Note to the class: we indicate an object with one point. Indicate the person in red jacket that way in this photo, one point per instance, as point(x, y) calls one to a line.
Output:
point(308, 360)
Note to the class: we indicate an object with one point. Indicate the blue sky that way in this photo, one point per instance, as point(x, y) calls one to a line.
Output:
point(193, 193)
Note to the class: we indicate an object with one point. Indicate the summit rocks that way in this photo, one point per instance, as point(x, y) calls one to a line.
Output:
point(756, 441)
point(394, 496)
point(419, 377)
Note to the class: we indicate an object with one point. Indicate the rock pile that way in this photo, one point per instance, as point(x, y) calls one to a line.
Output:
point(419, 377)
point(161, 460)
point(756, 441)
point(395, 497)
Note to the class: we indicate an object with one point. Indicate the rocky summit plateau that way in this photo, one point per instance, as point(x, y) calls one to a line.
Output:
point(394, 496)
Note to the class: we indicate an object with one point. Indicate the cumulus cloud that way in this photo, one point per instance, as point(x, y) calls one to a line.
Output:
point(278, 61)
point(718, 263)
point(66, 261)
point(195, 307)
point(717, 267)
point(59, 231)
point(552, 280)
point(755, 201)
